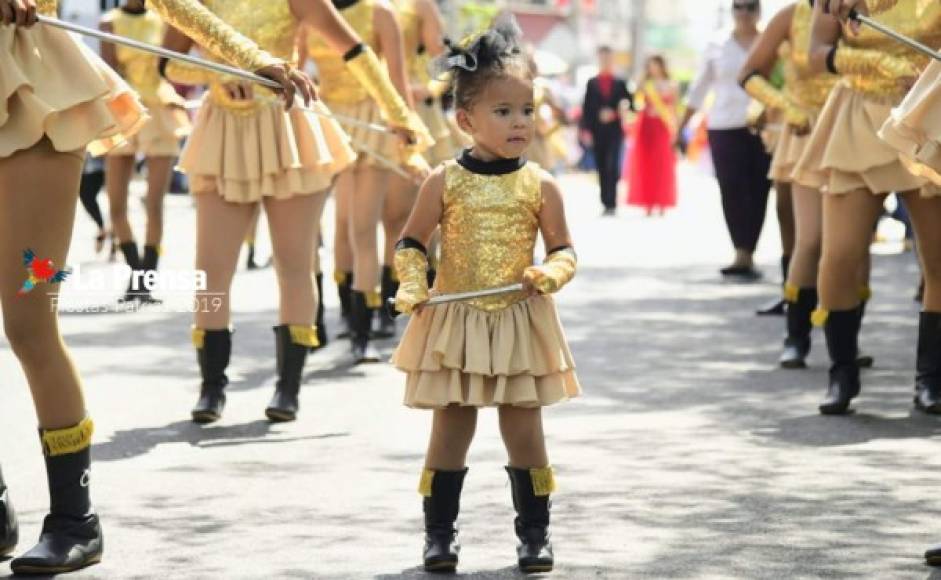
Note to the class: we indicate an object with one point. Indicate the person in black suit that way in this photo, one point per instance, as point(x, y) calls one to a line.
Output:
point(605, 96)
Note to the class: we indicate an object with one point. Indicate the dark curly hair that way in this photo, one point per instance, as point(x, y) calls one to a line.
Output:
point(493, 54)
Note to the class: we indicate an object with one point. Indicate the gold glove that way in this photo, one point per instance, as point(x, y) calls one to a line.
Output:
point(212, 33)
point(369, 72)
point(556, 271)
point(865, 62)
point(764, 92)
point(411, 267)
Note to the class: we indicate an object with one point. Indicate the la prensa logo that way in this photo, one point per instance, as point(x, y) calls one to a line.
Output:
point(40, 271)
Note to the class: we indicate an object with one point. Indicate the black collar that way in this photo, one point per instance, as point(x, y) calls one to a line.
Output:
point(496, 167)
point(134, 12)
point(342, 4)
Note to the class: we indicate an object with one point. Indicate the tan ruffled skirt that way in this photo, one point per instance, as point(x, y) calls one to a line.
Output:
point(844, 152)
point(160, 136)
point(914, 127)
point(446, 147)
point(52, 85)
point(458, 354)
point(268, 153)
point(787, 152)
point(367, 143)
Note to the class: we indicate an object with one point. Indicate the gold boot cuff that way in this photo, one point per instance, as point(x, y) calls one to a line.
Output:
point(69, 440)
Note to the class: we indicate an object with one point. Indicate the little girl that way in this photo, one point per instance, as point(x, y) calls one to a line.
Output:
point(506, 351)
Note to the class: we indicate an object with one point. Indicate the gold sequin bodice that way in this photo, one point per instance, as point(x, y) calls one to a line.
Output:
point(415, 61)
point(912, 18)
point(337, 85)
point(272, 25)
point(489, 227)
point(139, 68)
point(801, 86)
point(47, 7)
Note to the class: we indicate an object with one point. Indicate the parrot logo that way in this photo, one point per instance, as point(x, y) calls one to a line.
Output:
point(39, 271)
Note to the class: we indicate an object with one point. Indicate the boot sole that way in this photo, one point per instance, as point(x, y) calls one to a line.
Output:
point(933, 561)
point(441, 567)
point(836, 411)
point(536, 568)
point(205, 418)
point(929, 411)
point(280, 416)
point(793, 364)
point(45, 571)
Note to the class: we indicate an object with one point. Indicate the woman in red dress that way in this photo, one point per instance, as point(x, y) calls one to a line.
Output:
point(651, 163)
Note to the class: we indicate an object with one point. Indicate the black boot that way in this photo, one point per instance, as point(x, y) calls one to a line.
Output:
point(71, 535)
point(933, 556)
point(9, 530)
point(322, 338)
point(531, 489)
point(863, 361)
point(389, 287)
point(292, 343)
point(250, 263)
point(361, 315)
point(441, 504)
point(213, 349)
point(777, 307)
point(132, 258)
point(148, 264)
point(344, 282)
point(928, 378)
point(842, 332)
point(797, 343)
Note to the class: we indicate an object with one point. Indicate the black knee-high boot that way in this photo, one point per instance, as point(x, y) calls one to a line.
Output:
point(531, 489)
point(801, 305)
point(149, 264)
point(132, 258)
point(9, 529)
point(863, 361)
point(292, 343)
point(344, 282)
point(71, 535)
point(928, 377)
point(322, 339)
point(390, 285)
point(777, 307)
point(842, 332)
point(213, 350)
point(933, 556)
point(362, 308)
point(441, 491)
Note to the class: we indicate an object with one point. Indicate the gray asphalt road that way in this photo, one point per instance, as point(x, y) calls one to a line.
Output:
point(690, 455)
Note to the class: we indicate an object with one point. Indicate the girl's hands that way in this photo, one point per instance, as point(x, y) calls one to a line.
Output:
point(18, 12)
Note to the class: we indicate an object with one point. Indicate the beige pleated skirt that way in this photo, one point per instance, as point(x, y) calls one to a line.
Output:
point(270, 152)
point(914, 127)
point(446, 146)
point(53, 86)
point(161, 135)
point(787, 152)
point(372, 146)
point(844, 152)
point(458, 354)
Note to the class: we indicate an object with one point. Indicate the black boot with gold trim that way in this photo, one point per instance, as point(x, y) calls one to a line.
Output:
point(344, 282)
point(9, 529)
point(801, 303)
point(389, 286)
point(841, 328)
point(71, 536)
point(531, 489)
point(292, 343)
point(213, 350)
point(148, 264)
point(928, 378)
point(132, 258)
point(362, 307)
point(322, 338)
point(441, 493)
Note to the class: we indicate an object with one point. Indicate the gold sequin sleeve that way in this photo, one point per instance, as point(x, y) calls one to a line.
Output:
point(183, 73)
point(868, 63)
point(765, 93)
point(213, 34)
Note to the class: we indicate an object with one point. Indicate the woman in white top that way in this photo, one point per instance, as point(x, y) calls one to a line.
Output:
point(740, 160)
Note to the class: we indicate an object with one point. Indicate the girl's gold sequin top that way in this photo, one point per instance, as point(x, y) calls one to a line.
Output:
point(802, 87)
point(913, 18)
point(337, 84)
point(139, 68)
point(489, 226)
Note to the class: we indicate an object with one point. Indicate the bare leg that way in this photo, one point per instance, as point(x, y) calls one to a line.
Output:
point(926, 219)
point(39, 191)
point(220, 229)
point(806, 256)
point(452, 432)
point(785, 211)
point(364, 220)
point(118, 172)
point(848, 220)
point(399, 200)
point(342, 245)
point(523, 437)
point(159, 171)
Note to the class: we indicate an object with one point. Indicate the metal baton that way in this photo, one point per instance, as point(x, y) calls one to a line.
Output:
point(910, 42)
point(460, 296)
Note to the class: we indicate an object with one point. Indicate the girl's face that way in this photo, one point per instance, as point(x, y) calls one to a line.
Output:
point(654, 70)
point(502, 119)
